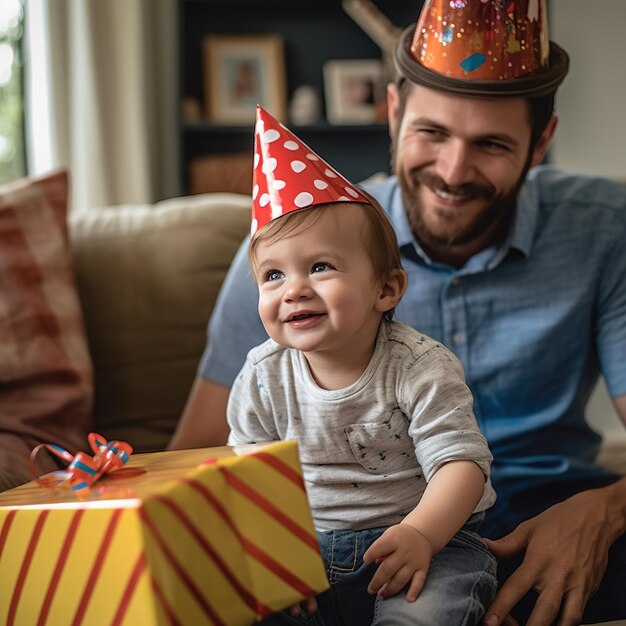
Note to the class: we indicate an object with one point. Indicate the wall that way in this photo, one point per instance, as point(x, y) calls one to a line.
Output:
point(590, 104)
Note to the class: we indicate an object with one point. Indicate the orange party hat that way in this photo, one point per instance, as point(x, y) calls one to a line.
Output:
point(482, 48)
point(289, 176)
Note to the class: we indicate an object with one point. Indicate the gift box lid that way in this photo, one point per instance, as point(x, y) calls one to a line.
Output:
point(145, 475)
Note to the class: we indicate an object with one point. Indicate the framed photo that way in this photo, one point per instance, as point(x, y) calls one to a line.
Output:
point(353, 90)
point(241, 72)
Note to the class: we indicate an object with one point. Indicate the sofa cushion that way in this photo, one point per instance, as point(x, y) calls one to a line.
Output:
point(45, 370)
point(148, 276)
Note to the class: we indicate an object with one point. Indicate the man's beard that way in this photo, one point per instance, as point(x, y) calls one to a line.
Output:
point(498, 208)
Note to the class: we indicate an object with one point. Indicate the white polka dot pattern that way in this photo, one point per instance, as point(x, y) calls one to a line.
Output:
point(288, 175)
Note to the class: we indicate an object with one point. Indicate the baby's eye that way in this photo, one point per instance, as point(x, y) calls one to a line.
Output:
point(320, 267)
point(273, 275)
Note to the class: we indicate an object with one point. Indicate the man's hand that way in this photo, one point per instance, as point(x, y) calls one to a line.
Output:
point(403, 554)
point(566, 556)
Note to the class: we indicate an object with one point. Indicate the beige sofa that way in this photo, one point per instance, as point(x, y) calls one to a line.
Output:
point(147, 278)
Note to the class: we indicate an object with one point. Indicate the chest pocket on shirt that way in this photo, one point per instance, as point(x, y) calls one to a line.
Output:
point(382, 447)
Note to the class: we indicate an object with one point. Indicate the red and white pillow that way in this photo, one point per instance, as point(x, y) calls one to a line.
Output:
point(46, 378)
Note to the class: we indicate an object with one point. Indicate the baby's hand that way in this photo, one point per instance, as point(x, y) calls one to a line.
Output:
point(309, 606)
point(403, 554)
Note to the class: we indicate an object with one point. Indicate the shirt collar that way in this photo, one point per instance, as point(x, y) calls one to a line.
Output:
point(522, 231)
point(400, 220)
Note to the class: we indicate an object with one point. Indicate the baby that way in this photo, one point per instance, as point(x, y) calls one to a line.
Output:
point(396, 469)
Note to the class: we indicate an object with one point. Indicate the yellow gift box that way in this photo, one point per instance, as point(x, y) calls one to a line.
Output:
point(219, 536)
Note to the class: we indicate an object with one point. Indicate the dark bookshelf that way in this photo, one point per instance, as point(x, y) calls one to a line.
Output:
point(313, 32)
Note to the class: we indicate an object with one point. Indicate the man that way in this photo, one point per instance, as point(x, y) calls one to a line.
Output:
point(518, 269)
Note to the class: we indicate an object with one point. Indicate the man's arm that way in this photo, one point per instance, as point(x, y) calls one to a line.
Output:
point(566, 553)
point(203, 421)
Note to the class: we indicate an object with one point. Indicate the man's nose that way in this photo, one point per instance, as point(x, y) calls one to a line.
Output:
point(454, 164)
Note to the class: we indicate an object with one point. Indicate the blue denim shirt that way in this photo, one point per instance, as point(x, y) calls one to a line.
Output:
point(533, 321)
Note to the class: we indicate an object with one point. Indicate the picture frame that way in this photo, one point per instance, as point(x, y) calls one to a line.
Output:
point(241, 72)
point(353, 90)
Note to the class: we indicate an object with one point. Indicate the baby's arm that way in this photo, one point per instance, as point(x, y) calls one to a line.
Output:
point(404, 550)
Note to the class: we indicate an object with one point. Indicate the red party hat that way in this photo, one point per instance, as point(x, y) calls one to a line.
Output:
point(482, 48)
point(289, 176)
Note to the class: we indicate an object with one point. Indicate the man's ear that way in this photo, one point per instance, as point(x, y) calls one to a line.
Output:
point(392, 289)
point(544, 141)
point(393, 102)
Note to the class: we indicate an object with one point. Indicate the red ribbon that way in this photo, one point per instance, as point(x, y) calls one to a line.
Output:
point(83, 469)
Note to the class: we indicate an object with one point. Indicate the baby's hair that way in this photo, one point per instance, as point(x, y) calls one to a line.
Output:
point(380, 238)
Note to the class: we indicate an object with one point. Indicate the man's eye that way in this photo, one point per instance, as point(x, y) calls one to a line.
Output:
point(431, 133)
point(319, 267)
point(493, 146)
point(273, 275)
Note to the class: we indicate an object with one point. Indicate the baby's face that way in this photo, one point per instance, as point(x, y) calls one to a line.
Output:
point(317, 288)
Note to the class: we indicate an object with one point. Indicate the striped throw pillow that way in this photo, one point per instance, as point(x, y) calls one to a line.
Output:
point(46, 386)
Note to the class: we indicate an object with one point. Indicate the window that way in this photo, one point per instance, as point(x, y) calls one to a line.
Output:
point(12, 156)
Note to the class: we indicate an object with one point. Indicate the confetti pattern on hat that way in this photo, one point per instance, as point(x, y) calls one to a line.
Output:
point(486, 40)
point(482, 48)
point(289, 176)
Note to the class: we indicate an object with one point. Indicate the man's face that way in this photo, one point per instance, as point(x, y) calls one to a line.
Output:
point(460, 163)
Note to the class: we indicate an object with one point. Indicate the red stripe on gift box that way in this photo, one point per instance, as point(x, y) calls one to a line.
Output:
point(8, 520)
point(281, 467)
point(276, 568)
point(30, 550)
point(197, 594)
point(263, 503)
point(158, 592)
point(58, 568)
point(140, 566)
point(97, 566)
point(253, 550)
point(255, 604)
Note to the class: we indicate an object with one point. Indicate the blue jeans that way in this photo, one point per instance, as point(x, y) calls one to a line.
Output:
point(461, 583)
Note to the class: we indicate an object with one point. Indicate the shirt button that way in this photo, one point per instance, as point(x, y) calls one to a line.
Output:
point(457, 338)
point(456, 281)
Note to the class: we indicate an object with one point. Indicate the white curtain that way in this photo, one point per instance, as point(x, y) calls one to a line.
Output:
point(101, 85)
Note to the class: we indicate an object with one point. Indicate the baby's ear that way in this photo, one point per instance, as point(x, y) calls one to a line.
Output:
point(392, 289)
